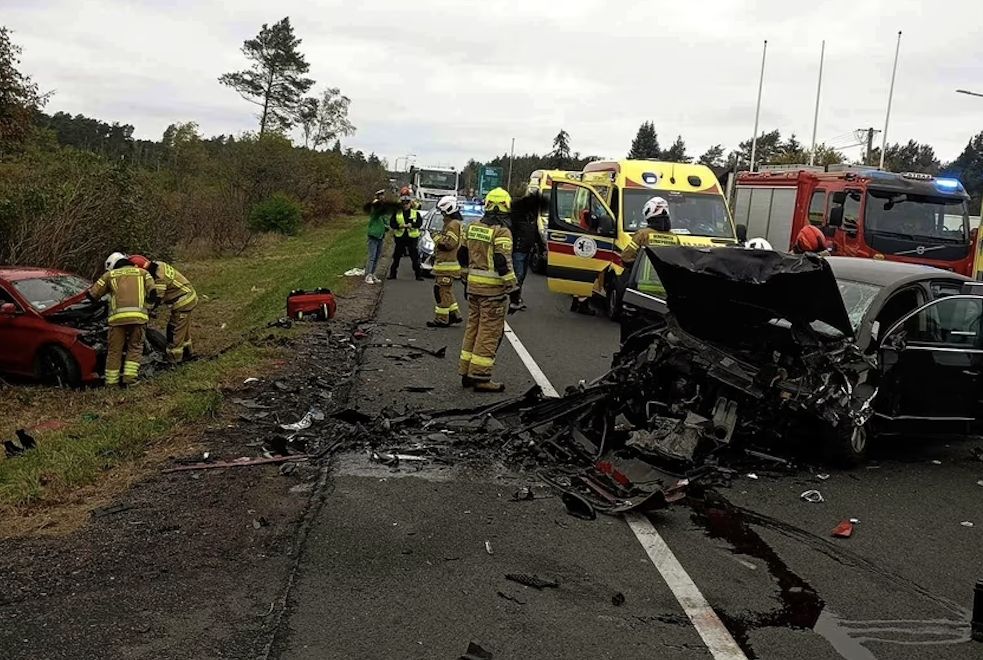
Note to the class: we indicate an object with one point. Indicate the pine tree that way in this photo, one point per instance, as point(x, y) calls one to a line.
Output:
point(645, 146)
point(677, 152)
point(560, 157)
point(275, 80)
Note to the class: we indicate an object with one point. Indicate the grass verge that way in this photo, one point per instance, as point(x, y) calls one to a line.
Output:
point(93, 442)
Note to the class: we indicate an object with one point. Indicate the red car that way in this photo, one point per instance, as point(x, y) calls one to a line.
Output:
point(49, 330)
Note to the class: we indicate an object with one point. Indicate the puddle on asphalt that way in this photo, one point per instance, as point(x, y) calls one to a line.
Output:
point(801, 607)
point(359, 464)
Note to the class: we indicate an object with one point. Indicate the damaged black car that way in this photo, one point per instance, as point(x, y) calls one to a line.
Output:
point(764, 348)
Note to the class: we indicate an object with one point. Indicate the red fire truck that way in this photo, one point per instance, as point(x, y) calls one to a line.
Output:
point(863, 212)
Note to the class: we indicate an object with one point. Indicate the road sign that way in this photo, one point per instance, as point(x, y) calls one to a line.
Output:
point(489, 178)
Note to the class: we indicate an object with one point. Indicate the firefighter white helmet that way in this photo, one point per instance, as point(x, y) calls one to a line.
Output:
point(448, 205)
point(655, 207)
point(758, 244)
point(113, 259)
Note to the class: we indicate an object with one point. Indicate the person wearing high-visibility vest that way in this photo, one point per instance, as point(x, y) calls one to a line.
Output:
point(175, 291)
point(405, 223)
point(655, 232)
point(446, 268)
point(492, 291)
point(129, 289)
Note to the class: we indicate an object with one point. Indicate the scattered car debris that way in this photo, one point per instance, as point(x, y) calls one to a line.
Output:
point(311, 416)
point(977, 453)
point(438, 353)
point(488, 547)
point(752, 475)
point(936, 462)
point(25, 443)
point(524, 493)
point(508, 597)
point(419, 389)
point(250, 380)
point(618, 599)
point(844, 530)
point(966, 523)
point(243, 462)
point(577, 506)
point(355, 272)
point(533, 581)
point(476, 652)
point(812, 496)
point(822, 477)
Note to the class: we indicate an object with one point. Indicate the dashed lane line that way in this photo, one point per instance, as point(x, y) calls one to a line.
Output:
point(711, 629)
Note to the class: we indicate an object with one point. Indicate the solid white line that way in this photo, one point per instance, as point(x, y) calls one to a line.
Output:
point(534, 370)
point(711, 629)
point(714, 633)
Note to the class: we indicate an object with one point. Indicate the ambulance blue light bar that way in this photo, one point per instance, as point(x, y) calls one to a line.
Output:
point(948, 185)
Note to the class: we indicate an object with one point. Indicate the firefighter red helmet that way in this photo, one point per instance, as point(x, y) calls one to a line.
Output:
point(810, 239)
point(405, 194)
point(140, 261)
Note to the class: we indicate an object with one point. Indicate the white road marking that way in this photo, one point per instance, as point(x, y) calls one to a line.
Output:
point(534, 370)
point(714, 633)
point(711, 629)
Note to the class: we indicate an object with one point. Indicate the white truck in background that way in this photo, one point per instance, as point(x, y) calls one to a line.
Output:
point(432, 183)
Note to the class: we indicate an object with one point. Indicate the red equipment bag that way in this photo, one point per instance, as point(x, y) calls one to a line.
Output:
point(317, 305)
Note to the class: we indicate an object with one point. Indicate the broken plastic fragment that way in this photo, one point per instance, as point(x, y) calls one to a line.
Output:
point(752, 475)
point(577, 506)
point(250, 380)
point(488, 547)
point(844, 530)
point(618, 599)
point(475, 652)
point(532, 581)
point(966, 523)
point(812, 496)
point(822, 477)
point(312, 415)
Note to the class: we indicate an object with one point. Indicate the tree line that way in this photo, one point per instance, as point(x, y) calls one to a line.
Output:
point(74, 187)
point(771, 149)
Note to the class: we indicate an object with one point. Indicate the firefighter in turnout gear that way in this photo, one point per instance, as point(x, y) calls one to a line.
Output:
point(491, 283)
point(656, 231)
point(446, 268)
point(129, 289)
point(175, 291)
point(405, 223)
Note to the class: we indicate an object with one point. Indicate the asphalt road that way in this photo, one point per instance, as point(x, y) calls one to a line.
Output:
point(397, 567)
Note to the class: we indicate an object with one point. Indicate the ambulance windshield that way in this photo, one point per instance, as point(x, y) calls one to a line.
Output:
point(698, 214)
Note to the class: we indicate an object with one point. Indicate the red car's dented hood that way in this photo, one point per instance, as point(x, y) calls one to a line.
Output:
point(64, 304)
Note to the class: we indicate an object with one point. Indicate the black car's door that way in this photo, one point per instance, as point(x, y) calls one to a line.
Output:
point(931, 362)
point(643, 304)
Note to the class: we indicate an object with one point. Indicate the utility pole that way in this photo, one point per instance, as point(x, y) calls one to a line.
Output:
point(815, 117)
point(869, 141)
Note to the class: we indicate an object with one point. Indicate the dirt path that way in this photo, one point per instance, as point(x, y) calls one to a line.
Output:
point(187, 564)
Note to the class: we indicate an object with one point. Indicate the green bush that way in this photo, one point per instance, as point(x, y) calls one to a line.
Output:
point(278, 213)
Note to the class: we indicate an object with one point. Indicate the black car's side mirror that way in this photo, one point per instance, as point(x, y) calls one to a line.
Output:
point(741, 233)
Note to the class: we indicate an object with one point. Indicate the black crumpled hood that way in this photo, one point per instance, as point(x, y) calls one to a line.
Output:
point(722, 287)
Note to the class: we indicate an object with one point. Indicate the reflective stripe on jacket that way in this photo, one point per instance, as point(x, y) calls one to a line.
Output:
point(447, 243)
point(127, 288)
point(646, 236)
point(403, 227)
point(173, 288)
point(483, 243)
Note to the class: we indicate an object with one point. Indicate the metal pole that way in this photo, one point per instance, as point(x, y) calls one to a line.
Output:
point(890, 96)
point(757, 109)
point(815, 116)
point(511, 159)
point(966, 91)
point(870, 146)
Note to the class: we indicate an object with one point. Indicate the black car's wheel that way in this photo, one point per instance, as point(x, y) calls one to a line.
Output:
point(537, 260)
point(848, 445)
point(54, 365)
point(612, 303)
point(154, 341)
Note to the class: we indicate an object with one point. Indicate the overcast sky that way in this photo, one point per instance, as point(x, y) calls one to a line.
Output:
point(448, 80)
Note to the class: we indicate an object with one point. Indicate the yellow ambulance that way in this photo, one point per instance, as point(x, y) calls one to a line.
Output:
point(592, 219)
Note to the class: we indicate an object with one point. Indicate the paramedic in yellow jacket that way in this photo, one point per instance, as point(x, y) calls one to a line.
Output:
point(487, 251)
point(129, 289)
point(175, 291)
point(655, 232)
point(446, 268)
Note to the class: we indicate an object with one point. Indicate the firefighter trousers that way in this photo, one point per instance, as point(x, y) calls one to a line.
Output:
point(443, 295)
point(179, 335)
point(486, 325)
point(124, 353)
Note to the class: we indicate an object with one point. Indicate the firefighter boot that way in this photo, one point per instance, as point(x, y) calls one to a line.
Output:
point(488, 386)
point(467, 381)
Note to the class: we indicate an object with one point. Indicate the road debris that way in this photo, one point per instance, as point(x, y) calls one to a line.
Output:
point(312, 415)
point(242, 462)
point(488, 548)
point(250, 380)
point(752, 475)
point(844, 530)
point(812, 496)
point(475, 652)
point(508, 597)
point(966, 523)
point(25, 443)
point(618, 599)
point(822, 477)
point(533, 581)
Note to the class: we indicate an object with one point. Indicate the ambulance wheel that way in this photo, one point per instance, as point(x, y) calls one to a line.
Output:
point(54, 365)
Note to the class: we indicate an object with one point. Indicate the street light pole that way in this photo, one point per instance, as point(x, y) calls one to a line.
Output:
point(815, 116)
point(966, 91)
point(890, 96)
point(757, 109)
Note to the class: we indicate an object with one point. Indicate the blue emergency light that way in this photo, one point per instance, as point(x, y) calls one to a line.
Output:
point(948, 185)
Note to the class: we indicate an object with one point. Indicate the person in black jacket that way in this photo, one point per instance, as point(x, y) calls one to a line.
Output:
point(525, 233)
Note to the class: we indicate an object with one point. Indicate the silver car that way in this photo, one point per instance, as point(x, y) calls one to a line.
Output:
point(433, 222)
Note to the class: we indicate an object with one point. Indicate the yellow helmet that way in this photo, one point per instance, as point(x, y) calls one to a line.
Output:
point(498, 200)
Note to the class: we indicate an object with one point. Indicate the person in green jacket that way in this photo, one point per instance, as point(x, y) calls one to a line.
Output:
point(378, 215)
